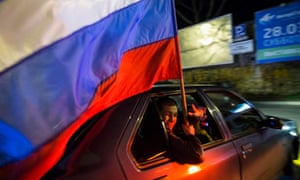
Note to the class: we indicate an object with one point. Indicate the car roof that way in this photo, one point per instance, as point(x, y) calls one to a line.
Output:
point(175, 85)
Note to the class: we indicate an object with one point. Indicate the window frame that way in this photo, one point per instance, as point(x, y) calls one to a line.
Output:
point(200, 101)
point(155, 161)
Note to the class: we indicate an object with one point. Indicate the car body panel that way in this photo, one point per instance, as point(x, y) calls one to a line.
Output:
point(215, 165)
point(263, 154)
point(95, 155)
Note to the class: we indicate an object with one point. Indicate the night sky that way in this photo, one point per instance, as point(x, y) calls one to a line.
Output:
point(242, 10)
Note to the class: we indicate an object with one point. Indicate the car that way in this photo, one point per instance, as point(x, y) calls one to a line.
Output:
point(129, 141)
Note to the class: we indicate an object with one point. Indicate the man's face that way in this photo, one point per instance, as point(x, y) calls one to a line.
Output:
point(169, 115)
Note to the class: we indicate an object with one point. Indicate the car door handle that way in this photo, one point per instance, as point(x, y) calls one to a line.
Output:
point(247, 148)
point(165, 177)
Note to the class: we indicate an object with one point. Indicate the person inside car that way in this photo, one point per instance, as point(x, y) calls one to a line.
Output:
point(197, 116)
point(185, 146)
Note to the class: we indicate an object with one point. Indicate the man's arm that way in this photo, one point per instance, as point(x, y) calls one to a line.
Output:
point(187, 149)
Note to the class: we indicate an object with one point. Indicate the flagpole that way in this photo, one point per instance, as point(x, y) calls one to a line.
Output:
point(182, 89)
point(184, 103)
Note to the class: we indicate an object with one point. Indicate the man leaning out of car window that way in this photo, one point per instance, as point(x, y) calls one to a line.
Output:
point(185, 147)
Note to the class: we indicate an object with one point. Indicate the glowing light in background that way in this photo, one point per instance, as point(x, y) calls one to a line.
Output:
point(207, 37)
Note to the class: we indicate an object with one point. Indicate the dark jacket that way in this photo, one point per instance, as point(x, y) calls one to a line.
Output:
point(185, 148)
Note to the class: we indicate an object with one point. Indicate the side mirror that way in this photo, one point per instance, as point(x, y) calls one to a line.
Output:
point(273, 122)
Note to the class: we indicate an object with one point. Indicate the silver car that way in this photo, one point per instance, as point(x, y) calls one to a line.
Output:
point(129, 141)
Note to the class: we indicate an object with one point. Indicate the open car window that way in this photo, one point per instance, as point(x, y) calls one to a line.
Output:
point(150, 144)
point(208, 130)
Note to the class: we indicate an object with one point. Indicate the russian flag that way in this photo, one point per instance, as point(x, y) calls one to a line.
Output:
point(63, 61)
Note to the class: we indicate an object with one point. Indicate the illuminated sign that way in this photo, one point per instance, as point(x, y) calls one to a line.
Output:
point(242, 47)
point(240, 32)
point(278, 34)
point(206, 43)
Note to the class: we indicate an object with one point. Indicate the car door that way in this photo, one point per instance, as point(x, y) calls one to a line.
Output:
point(145, 155)
point(262, 150)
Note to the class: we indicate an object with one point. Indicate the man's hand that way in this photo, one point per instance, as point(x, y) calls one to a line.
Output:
point(188, 129)
point(199, 112)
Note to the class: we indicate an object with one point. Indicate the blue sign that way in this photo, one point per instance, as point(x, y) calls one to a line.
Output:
point(278, 34)
point(239, 31)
